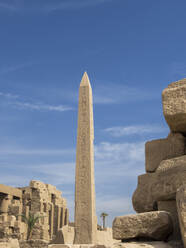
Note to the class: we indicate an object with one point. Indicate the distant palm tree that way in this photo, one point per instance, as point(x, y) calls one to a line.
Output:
point(103, 215)
point(30, 221)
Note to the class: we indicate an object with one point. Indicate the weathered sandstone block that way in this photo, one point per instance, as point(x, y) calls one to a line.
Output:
point(78, 246)
point(142, 199)
point(159, 186)
point(153, 244)
point(105, 237)
point(174, 107)
point(65, 235)
point(156, 225)
point(38, 243)
point(170, 207)
point(161, 149)
point(181, 206)
point(9, 243)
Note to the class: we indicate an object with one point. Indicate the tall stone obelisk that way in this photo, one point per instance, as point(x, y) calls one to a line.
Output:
point(85, 210)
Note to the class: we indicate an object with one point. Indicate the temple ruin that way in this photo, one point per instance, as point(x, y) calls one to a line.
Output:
point(37, 198)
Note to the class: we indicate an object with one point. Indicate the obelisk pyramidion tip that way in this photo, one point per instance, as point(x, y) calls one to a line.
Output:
point(85, 80)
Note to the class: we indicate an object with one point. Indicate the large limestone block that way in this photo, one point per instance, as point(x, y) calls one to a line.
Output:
point(33, 243)
point(65, 235)
point(14, 243)
point(181, 206)
point(105, 237)
point(77, 246)
point(10, 243)
point(159, 186)
point(156, 225)
point(170, 207)
point(161, 149)
point(153, 244)
point(174, 107)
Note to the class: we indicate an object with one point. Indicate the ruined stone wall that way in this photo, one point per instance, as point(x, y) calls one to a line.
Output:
point(39, 199)
point(46, 201)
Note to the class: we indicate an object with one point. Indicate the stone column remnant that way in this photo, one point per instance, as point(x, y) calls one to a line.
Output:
point(85, 214)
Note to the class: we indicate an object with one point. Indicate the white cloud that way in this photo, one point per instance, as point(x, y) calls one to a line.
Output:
point(111, 94)
point(134, 130)
point(13, 180)
point(73, 4)
point(8, 95)
point(56, 173)
point(119, 93)
point(119, 151)
point(12, 68)
point(7, 6)
point(35, 152)
point(40, 106)
point(14, 101)
point(47, 5)
point(114, 206)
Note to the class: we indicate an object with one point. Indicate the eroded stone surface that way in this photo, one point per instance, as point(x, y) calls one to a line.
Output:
point(161, 149)
point(85, 213)
point(159, 186)
point(105, 237)
point(65, 235)
point(156, 225)
point(9, 243)
point(154, 244)
point(174, 107)
point(181, 206)
point(170, 207)
point(33, 244)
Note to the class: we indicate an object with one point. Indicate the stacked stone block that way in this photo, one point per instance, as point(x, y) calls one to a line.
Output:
point(163, 187)
point(46, 201)
point(38, 199)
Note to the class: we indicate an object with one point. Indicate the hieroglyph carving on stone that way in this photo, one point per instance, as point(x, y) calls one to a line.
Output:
point(85, 217)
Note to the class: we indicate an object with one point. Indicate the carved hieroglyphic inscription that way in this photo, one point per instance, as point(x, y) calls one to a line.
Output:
point(85, 218)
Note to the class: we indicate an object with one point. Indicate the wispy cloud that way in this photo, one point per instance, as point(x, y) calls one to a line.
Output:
point(135, 130)
point(47, 5)
point(13, 180)
point(12, 68)
point(40, 106)
point(73, 4)
point(13, 100)
point(9, 6)
point(119, 152)
point(35, 152)
point(110, 93)
point(120, 93)
point(114, 205)
point(8, 95)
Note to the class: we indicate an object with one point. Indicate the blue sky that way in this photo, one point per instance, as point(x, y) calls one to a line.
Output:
point(131, 49)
